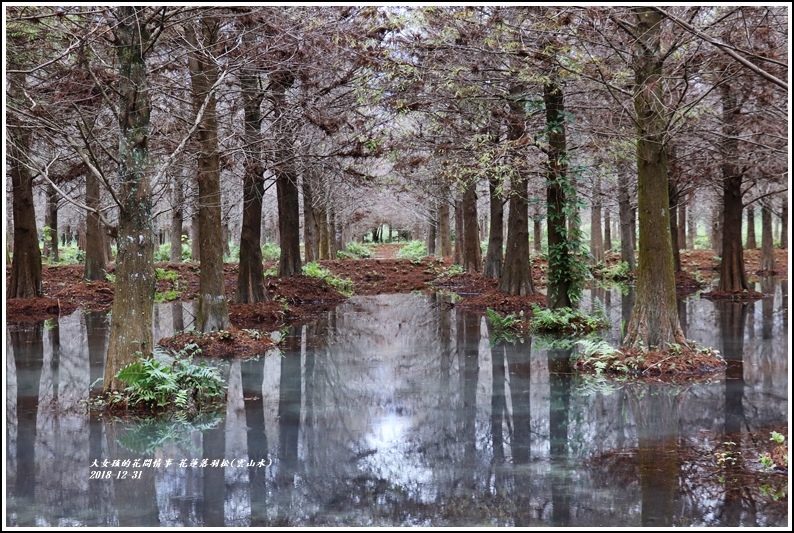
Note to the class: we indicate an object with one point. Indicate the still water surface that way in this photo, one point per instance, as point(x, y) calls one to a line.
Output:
point(395, 410)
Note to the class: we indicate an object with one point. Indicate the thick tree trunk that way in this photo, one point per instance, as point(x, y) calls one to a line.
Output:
point(493, 257)
point(472, 254)
point(251, 276)
point(654, 321)
point(289, 263)
point(95, 253)
point(517, 271)
point(561, 290)
point(767, 243)
point(751, 244)
point(131, 324)
point(596, 231)
point(732, 274)
point(626, 215)
point(177, 217)
point(213, 309)
point(25, 279)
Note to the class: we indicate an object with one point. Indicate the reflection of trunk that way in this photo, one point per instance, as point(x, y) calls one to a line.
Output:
point(289, 408)
point(498, 405)
point(768, 307)
point(656, 416)
point(560, 372)
point(131, 325)
point(28, 357)
point(214, 447)
point(289, 263)
point(767, 245)
point(732, 275)
point(519, 370)
point(468, 337)
point(140, 490)
point(733, 317)
point(177, 317)
point(213, 313)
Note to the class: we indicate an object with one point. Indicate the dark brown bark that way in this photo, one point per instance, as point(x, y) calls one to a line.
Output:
point(493, 257)
point(195, 237)
point(131, 324)
point(472, 254)
point(537, 233)
point(654, 321)
point(596, 231)
point(289, 263)
point(607, 231)
point(751, 243)
point(431, 235)
point(558, 293)
point(767, 243)
point(732, 274)
point(213, 309)
point(311, 227)
point(25, 279)
point(51, 222)
point(444, 233)
point(517, 271)
point(784, 225)
point(251, 277)
point(682, 216)
point(626, 215)
point(95, 254)
point(458, 232)
point(177, 218)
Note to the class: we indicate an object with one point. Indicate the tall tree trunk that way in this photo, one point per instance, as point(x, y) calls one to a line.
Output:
point(322, 222)
point(732, 275)
point(213, 309)
point(767, 243)
point(716, 226)
point(472, 254)
point(673, 192)
point(564, 271)
point(691, 224)
point(493, 257)
point(458, 232)
point(626, 215)
point(654, 321)
point(784, 227)
point(537, 233)
point(431, 235)
point(289, 263)
point(333, 239)
point(51, 222)
point(177, 217)
point(444, 234)
point(195, 237)
point(95, 253)
point(26, 262)
point(517, 271)
point(607, 231)
point(311, 228)
point(751, 244)
point(596, 231)
point(682, 216)
point(251, 275)
point(131, 323)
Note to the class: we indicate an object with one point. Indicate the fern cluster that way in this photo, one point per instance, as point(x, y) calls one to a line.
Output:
point(567, 320)
point(153, 383)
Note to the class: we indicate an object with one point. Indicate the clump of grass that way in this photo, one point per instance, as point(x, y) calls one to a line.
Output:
point(354, 250)
point(413, 250)
point(315, 270)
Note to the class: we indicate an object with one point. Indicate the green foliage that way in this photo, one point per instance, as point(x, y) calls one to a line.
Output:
point(315, 270)
point(354, 250)
point(166, 296)
point(413, 250)
point(234, 253)
point(182, 384)
point(567, 320)
point(504, 328)
point(617, 272)
point(163, 252)
point(452, 270)
point(167, 275)
point(271, 252)
point(148, 436)
point(778, 438)
point(110, 277)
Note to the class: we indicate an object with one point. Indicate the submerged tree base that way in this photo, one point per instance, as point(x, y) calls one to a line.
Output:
point(673, 364)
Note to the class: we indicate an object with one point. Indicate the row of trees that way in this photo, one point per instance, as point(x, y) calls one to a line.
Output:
point(118, 110)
